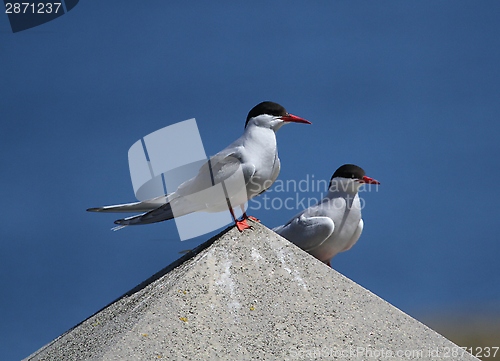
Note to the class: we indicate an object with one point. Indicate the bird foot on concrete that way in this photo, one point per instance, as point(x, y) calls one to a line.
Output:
point(241, 225)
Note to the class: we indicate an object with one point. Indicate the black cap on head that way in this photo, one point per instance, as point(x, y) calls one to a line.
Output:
point(349, 171)
point(267, 107)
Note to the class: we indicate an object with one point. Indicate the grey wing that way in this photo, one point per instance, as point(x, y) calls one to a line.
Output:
point(220, 167)
point(143, 206)
point(159, 214)
point(227, 169)
point(307, 232)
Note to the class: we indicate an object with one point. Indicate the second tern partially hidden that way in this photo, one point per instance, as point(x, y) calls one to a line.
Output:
point(334, 224)
point(246, 168)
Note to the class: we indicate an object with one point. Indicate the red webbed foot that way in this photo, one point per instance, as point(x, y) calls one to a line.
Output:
point(241, 225)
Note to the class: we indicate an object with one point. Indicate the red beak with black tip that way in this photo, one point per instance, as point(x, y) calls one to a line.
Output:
point(294, 119)
point(369, 180)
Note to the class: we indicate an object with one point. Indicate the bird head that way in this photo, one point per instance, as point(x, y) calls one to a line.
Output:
point(271, 115)
point(349, 178)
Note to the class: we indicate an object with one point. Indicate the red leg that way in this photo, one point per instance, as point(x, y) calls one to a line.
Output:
point(241, 225)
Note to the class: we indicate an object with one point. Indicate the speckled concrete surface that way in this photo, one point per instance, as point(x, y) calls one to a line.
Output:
point(250, 296)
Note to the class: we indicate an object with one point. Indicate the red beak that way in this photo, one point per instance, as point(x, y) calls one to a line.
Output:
point(294, 119)
point(369, 180)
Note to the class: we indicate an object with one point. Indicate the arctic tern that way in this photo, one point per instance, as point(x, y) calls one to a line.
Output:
point(334, 224)
point(245, 168)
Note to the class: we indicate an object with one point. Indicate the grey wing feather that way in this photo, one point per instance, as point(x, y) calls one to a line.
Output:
point(307, 232)
point(143, 206)
point(159, 214)
point(217, 169)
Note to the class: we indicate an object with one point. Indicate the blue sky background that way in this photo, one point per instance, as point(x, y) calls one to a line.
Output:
point(407, 90)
